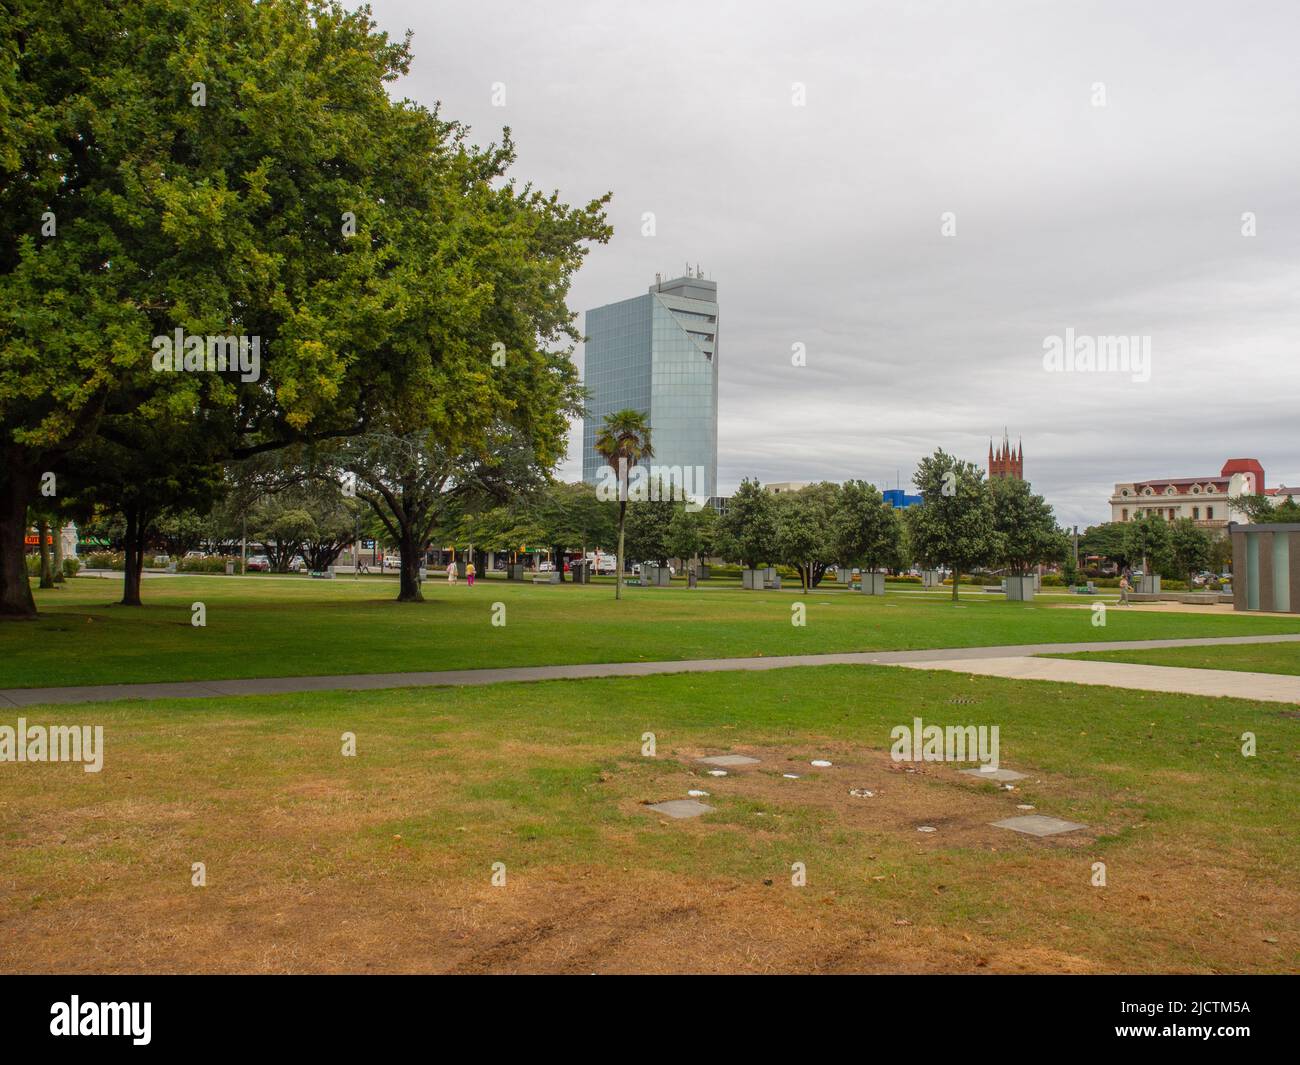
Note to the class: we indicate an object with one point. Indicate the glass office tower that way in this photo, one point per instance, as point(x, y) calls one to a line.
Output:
point(658, 353)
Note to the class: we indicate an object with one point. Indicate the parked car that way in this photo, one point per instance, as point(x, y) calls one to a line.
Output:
point(546, 567)
point(258, 564)
point(392, 562)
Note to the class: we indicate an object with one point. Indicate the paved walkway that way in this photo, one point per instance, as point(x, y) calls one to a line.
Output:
point(926, 659)
point(1234, 684)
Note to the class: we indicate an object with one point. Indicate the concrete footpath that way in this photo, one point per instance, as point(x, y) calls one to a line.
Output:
point(1233, 684)
point(1243, 685)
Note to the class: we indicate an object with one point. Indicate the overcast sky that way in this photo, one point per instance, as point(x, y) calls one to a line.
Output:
point(822, 223)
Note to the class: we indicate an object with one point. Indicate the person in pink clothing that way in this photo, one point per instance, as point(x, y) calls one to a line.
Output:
point(469, 574)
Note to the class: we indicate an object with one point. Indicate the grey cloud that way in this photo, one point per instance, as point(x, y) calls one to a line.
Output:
point(821, 223)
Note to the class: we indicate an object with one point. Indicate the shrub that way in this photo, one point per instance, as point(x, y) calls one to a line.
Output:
point(71, 566)
point(106, 560)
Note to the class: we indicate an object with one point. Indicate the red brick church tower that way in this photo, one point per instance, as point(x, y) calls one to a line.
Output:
point(1007, 461)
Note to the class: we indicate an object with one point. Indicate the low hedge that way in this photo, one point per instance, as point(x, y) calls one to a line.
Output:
point(204, 565)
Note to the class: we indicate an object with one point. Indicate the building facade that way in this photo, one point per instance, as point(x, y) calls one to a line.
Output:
point(1207, 500)
point(658, 353)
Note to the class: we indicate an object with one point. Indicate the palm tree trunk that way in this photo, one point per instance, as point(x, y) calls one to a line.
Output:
point(618, 562)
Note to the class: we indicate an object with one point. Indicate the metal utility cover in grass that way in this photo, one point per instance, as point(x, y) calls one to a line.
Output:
point(997, 774)
point(681, 808)
point(1038, 825)
point(729, 759)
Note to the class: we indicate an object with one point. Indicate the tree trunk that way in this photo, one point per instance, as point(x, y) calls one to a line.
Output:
point(133, 557)
point(16, 600)
point(409, 588)
point(58, 552)
point(43, 546)
point(618, 562)
point(956, 580)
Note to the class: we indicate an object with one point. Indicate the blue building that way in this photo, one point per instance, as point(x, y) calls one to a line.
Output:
point(657, 353)
point(898, 499)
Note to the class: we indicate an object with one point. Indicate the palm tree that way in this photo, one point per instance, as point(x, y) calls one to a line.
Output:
point(623, 441)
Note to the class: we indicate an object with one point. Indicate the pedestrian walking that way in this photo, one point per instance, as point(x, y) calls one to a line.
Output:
point(451, 570)
point(469, 574)
point(1123, 591)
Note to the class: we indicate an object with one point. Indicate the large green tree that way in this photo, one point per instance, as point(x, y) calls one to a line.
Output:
point(257, 182)
point(649, 530)
point(692, 533)
point(1190, 548)
point(953, 526)
point(1108, 540)
point(1146, 538)
point(1025, 526)
point(1267, 510)
point(805, 531)
point(867, 531)
point(747, 530)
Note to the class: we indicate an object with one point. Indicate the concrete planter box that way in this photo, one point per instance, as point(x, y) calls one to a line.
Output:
point(656, 576)
point(1149, 585)
point(1019, 589)
point(759, 579)
point(873, 584)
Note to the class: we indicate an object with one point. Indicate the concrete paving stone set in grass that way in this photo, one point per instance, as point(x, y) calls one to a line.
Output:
point(1037, 825)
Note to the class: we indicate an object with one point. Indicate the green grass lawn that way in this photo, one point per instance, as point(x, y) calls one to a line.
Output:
point(317, 862)
point(1252, 658)
point(258, 626)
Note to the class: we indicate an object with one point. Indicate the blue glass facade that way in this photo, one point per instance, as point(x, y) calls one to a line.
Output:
point(658, 353)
